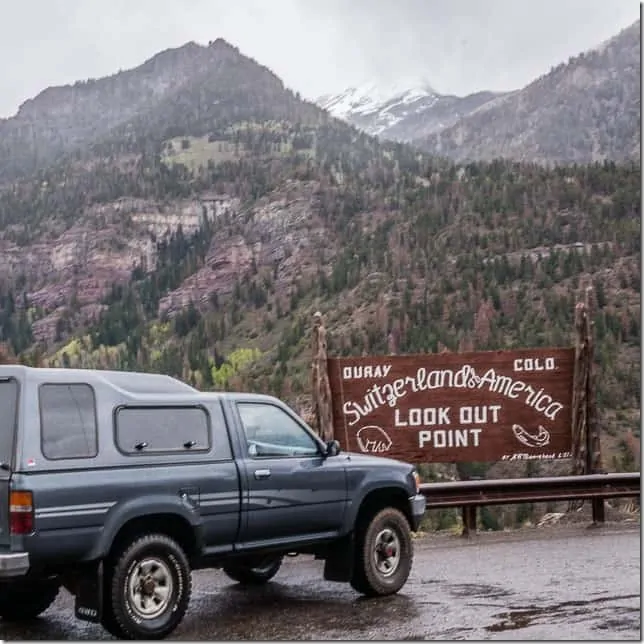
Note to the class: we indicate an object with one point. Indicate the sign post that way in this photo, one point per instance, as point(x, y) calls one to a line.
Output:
point(320, 380)
point(456, 407)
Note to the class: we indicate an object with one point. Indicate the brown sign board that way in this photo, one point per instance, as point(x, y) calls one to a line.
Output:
point(455, 407)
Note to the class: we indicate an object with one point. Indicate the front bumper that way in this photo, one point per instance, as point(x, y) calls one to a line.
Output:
point(418, 504)
point(14, 564)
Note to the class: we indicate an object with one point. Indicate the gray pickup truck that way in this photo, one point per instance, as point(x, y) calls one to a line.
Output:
point(116, 485)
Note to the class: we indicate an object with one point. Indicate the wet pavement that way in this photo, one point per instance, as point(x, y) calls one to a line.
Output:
point(548, 583)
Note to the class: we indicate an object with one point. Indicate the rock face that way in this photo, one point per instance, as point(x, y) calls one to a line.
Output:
point(584, 111)
point(78, 268)
point(280, 230)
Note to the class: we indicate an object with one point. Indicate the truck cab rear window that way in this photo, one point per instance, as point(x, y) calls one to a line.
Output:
point(68, 421)
point(142, 430)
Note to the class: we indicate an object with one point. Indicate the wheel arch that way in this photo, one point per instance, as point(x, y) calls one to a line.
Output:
point(392, 496)
point(166, 523)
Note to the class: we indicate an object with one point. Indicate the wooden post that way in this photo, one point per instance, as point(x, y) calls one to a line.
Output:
point(580, 384)
point(593, 447)
point(315, 377)
point(579, 397)
point(586, 450)
point(320, 387)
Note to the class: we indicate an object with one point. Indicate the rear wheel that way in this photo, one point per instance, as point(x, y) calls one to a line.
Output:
point(109, 623)
point(149, 589)
point(22, 601)
point(384, 554)
point(254, 572)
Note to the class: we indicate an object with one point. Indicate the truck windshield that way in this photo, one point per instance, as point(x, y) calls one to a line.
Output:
point(8, 408)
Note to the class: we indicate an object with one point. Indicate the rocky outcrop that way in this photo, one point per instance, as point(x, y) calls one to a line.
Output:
point(75, 270)
point(282, 229)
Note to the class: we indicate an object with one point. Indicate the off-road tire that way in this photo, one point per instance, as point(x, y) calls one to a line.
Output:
point(249, 575)
point(109, 623)
point(368, 576)
point(165, 561)
point(22, 601)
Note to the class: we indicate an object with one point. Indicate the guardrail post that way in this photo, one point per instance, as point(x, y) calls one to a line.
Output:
point(469, 521)
point(469, 513)
point(599, 511)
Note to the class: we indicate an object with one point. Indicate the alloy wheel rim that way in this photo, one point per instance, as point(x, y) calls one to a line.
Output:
point(150, 588)
point(386, 552)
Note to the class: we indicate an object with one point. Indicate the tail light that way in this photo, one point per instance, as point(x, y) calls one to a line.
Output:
point(21, 512)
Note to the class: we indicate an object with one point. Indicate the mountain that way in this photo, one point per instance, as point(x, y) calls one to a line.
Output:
point(583, 111)
point(404, 111)
point(193, 86)
point(196, 231)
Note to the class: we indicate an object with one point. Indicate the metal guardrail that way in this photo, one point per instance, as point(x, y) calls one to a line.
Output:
point(472, 494)
point(503, 491)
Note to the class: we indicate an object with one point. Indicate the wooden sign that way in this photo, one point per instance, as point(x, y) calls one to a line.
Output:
point(449, 407)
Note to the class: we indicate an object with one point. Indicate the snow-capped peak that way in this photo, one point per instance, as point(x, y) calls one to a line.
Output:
point(372, 97)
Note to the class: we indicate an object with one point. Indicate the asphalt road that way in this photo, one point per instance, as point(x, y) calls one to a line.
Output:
point(549, 583)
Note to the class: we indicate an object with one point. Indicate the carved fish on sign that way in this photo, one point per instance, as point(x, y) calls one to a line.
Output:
point(372, 438)
point(540, 439)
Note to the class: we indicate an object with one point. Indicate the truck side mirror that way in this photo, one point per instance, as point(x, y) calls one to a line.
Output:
point(332, 448)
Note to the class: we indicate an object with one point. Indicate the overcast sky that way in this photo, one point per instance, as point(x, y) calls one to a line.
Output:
point(315, 46)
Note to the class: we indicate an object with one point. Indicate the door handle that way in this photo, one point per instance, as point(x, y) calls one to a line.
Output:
point(262, 474)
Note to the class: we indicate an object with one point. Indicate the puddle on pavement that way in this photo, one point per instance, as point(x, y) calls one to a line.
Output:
point(479, 590)
point(524, 617)
point(449, 634)
point(625, 619)
point(514, 620)
point(251, 613)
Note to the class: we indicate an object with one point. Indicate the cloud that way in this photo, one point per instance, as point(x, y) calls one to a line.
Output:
point(315, 46)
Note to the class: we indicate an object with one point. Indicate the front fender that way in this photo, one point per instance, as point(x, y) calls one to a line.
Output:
point(372, 482)
point(121, 513)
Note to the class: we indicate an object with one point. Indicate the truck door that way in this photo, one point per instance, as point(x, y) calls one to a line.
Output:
point(293, 490)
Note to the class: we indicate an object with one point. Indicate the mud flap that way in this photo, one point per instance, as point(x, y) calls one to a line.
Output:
point(88, 604)
point(338, 564)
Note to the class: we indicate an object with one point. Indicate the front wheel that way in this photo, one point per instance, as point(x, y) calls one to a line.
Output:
point(23, 601)
point(254, 573)
point(384, 554)
point(149, 589)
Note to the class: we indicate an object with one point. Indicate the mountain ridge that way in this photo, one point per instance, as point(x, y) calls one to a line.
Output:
point(582, 111)
point(65, 118)
point(170, 57)
point(404, 112)
point(519, 123)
